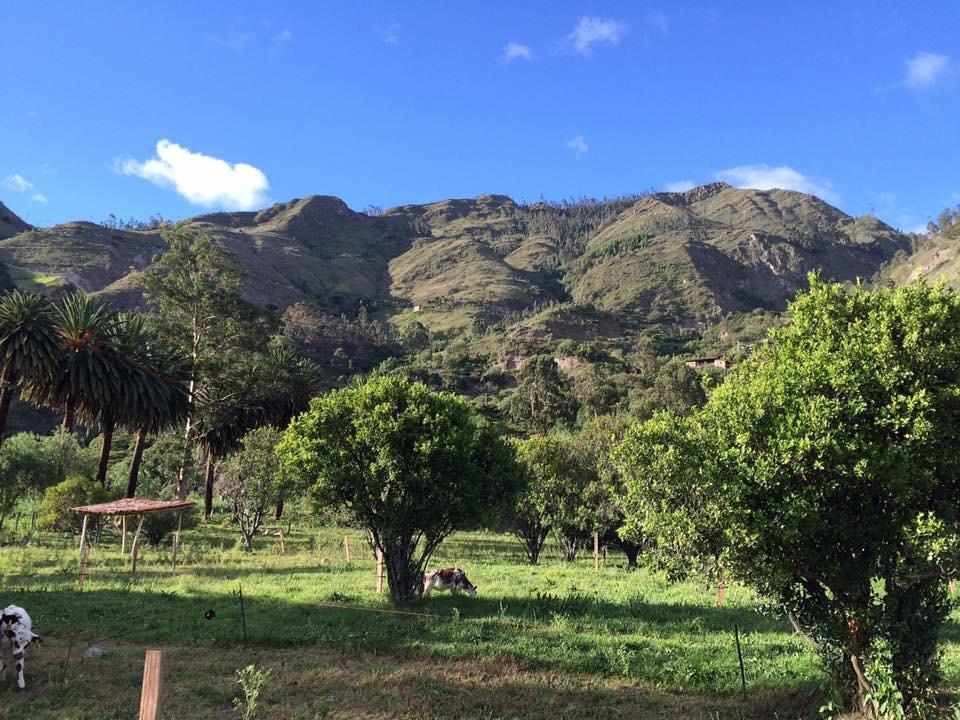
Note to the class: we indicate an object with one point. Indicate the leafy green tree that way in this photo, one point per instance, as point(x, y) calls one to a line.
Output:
point(671, 476)
point(407, 465)
point(29, 347)
point(194, 287)
point(58, 499)
point(837, 450)
point(543, 396)
point(676, 387)
point(24, 468)
point(530, 517)
point(252, 477)
point(558, 474)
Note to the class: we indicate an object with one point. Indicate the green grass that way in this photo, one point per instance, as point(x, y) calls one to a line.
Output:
point(616, 643)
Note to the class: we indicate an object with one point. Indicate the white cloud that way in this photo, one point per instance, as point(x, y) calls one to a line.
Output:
point(592, 30)
point(764, 177)
point(201, 179)
point(926, 69)
point(679, 186)
point(578, 145)
point(285, 35)
point(38, 198)
point(516, 51)
point(17, 183)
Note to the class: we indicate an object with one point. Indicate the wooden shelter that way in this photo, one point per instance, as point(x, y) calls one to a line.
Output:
point(138, 507)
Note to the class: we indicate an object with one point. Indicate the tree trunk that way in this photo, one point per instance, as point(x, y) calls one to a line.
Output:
point(279, 511)
point(134, 476)
point(183, 472)
point(402, 584)
point(68, 416)
point(208, 487)
point(632, 551)
point(6, 395)
point(106, 422)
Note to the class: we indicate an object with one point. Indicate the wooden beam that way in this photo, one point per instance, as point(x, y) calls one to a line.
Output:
point(136, 547)
point(83, 533)
point(84, 559)
point(176, 539)
point(151, 696)
point(123, 535)
point(596, 551)
point(346, 549)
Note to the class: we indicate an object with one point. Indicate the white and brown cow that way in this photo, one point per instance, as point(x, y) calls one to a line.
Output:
point(452, 579)
point(17, 629)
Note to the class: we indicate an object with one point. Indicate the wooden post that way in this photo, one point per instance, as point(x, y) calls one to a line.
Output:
point(379, 571)
point(346, 549)
point(123, 534)
point(243, 616)
point(176, 538)
point(83, 533)
point(136, 547)
point(596, 551)
point(84, 559)
point(151, 696)
point(721, 593)
point(953, 586)
point(283, 548)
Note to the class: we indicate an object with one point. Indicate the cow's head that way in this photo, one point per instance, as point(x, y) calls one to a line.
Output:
point(7, 623)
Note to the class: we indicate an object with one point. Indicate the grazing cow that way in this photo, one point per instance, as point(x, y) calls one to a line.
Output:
point(16, 628)
point(452, 579)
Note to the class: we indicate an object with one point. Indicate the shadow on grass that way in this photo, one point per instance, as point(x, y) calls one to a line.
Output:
point(670, 652)
point(312, 682)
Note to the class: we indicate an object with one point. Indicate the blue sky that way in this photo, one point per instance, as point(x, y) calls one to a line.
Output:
point(179, 107)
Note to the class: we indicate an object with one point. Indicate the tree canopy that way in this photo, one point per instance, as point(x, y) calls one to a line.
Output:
point(406, 464)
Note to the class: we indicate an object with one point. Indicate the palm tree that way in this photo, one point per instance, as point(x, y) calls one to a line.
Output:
point(29, 347)
point(85, 376)
point(154, 394)
point(273, 389)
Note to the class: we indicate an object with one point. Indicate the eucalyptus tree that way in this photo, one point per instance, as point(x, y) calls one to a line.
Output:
point(29, 345)
point(195, 288)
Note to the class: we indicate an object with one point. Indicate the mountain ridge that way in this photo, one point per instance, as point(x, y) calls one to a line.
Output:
point(674, 259)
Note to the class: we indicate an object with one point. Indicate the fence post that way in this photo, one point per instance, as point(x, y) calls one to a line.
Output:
point(283, 548)
point(346, 549)
point(379, 571)
point(151, 695)
point(721, 593)
point(596, 551)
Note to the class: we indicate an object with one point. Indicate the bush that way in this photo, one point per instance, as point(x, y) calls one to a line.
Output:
point(157, 526)
point(57, 500)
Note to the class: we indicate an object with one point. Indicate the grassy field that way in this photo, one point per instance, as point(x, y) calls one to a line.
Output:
point(555, 641)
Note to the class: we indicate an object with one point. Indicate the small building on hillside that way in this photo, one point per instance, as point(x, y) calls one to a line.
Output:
point(718, 361)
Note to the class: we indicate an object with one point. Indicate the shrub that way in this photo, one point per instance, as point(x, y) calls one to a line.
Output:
point(57, 500)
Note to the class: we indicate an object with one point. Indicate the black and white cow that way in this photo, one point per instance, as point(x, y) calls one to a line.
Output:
point(17, 629)
point(452, 579)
